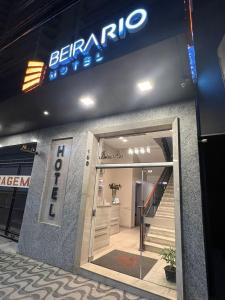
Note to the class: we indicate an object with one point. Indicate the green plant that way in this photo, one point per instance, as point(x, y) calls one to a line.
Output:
point(169, 255)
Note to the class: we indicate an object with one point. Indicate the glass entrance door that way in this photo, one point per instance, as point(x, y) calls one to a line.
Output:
point(133, 212)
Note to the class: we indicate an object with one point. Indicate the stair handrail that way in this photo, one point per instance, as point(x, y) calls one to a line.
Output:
point(150, 195)
point(153, 195)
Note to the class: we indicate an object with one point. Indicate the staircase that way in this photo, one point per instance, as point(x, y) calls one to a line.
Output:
point(162, 226)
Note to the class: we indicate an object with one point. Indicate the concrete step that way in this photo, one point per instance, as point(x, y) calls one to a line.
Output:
point(166, 204)
point(164, 215)
point(160, 239)
point(163, 209)
point(156, 248)
point(171, 198)
point(163, 222)
point(162, 231)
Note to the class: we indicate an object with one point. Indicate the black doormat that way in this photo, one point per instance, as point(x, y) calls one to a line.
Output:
point(126, 263)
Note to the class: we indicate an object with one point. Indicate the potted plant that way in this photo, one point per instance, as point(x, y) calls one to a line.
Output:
point(169, 255)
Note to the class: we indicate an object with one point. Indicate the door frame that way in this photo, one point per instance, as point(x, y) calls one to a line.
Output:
point(84, 230)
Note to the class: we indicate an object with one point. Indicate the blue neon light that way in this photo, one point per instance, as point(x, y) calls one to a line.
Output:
point(63, 70)
point(192, 63)
point(79, 54)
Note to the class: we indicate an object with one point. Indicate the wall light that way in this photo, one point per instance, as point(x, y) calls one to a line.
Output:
point(145, 86)
point(1, 146)
point(87, 101)
point(148, 149)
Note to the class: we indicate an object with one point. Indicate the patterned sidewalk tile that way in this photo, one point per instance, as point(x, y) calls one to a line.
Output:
point(25, 278)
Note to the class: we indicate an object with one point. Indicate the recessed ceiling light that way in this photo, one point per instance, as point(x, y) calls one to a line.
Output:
point(148, 149)
point(87, 101)
point(1, 146)
point(149, 171)
point(136, 151)
point(125, 140)
point(34, 140)
point(121, 138)
point(142, 150)
point(145, 86)
point(45, 113)
point(130, 151)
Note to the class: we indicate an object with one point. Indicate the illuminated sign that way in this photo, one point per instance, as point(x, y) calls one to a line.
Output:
point(79, 54)
point(15, 181)
point(34, 75)
point(192, 63)
point(221, 55)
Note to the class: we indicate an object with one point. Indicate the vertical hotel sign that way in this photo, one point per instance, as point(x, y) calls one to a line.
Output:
point(55, 182)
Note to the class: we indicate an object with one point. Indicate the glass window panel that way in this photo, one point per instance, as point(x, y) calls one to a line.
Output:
point(139, 148)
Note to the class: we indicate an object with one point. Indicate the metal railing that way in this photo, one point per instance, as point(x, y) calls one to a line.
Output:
point(152, 202)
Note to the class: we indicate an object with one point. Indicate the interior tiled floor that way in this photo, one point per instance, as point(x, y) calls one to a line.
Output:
point(127, 240)
point(25, 278)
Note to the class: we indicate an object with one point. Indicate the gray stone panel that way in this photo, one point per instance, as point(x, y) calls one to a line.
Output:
point(56, 245)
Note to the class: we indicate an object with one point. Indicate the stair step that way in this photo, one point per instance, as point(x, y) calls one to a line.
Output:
point(165, 215)
point(160, 239)
point(163, 223)
point(167, 203)
point(169, 209)
point(166, 197)
point(162, 231)
point(156, 248)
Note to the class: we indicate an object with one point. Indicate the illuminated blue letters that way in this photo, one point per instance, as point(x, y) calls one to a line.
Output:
point(87, 61)
point(52, 75)
point(92, 41)
point(81, 51)
point(54, 59)
point(136, 20)
point(65, 54)
point(78, 47)
point(109, 31)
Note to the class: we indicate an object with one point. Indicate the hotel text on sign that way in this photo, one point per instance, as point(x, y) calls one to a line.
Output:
point(15, 181)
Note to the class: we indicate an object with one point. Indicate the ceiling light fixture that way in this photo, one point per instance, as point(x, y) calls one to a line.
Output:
point(142, 150)
point(45, 113)
point(87, 101)
point(136, 150)
point(148, 149)
point(121, 138)
point(145, 86)
point(130, 151)
point(125, 140)
point(1, 146)
point(34, 140)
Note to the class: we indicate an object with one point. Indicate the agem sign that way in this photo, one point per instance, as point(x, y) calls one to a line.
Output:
point(79, 54)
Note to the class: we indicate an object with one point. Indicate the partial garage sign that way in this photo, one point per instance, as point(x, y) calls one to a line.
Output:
point(15, 181)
